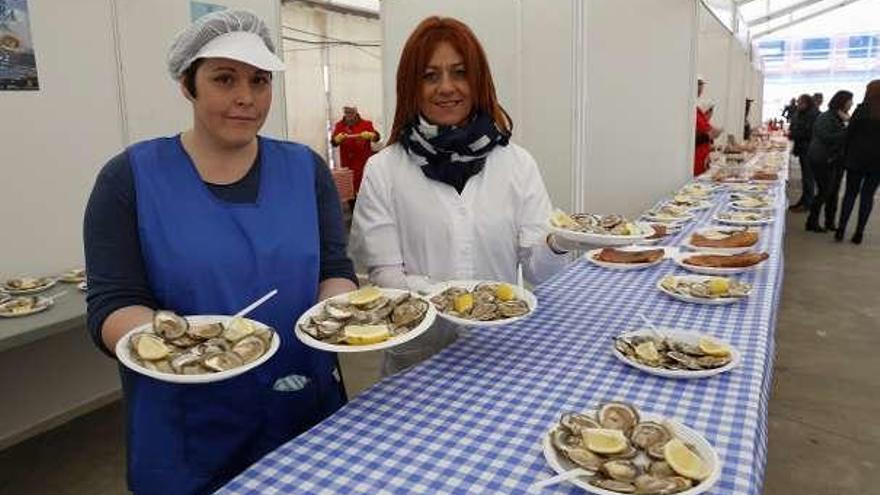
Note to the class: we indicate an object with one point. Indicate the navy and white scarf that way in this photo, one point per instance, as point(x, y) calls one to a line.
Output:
point(453, 154)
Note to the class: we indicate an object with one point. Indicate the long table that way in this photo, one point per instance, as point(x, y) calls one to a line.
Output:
point(472, 418)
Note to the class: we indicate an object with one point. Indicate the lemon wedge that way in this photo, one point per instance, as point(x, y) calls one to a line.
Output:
point(150, 347)
point(684, 461)
point(561, 219)
point(647, 351)
point(504, 292)
point(366, 334)
point(605, 441)
point(463, 303)
point(718, 286)
point(364, 296)
point(237, 329)
point(713, 348)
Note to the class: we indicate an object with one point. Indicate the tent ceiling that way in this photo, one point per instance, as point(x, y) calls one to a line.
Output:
point(766, 16)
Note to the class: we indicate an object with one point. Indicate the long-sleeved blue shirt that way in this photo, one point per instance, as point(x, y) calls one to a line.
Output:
point(114, 264)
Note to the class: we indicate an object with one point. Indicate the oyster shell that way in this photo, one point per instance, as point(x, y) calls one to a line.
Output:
point(169, 325)
point(249, 348)
point(577, 423)
point(618, 416)
point(223, 362)
point(205, 331)
point(614, 485)
point(621, 470)
point(648, 433)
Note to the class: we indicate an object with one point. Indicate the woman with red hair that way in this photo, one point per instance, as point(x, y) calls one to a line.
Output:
point(450, 197)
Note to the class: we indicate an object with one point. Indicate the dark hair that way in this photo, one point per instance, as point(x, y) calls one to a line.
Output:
point(806, 100)
point(189, 76)
point(838, 101)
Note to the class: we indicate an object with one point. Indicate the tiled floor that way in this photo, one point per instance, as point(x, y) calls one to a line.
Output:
point(824, 432)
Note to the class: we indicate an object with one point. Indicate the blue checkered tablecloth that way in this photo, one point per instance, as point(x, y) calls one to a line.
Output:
point(472, 418)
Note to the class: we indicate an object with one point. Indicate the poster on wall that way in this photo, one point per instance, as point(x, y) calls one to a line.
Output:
point(18, 66)
point(198, 9)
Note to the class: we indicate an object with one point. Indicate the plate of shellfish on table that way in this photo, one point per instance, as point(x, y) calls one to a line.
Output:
point(675, 353)
point(619, 449)
point(28, 285)
point(368, 319)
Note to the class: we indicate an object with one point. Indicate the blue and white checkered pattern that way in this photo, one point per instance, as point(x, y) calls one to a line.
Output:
point(472, 418)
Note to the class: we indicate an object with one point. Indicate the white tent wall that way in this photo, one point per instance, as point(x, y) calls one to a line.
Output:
point(713, 63)
point(736, 90)
point(574, 82)
point(355, 74)
point(153, 103)
point(640, 99)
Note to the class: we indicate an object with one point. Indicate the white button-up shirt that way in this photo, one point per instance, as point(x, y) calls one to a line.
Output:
point(403, 219)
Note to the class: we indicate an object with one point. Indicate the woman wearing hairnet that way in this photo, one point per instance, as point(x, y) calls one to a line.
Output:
point(203, 223)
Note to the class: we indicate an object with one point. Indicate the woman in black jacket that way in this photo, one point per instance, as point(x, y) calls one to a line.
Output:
point(862, 162)
point(825, 156)
point(801, 131)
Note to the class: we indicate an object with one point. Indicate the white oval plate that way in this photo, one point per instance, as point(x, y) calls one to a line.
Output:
point(688, 336)
point(21, 292)
point(521, 293)
point(700, 206)
point(43, 303)
point(708, 270)
point(421, 328)
point(737, 205)
point(718, 301)
point(687, 217)
point(604, 239)
point(123, 353)
point(590, 256)
point(697, 441)
point(743, 222)
point(711, 250)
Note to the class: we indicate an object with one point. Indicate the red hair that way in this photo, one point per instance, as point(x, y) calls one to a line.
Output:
point(417, 53)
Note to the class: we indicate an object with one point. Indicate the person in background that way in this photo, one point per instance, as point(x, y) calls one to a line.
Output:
point(789, 110)
point(701, 86)
point(450, 197)
point(747, 126)
point(818, 98)
point(705, 136)
point(825, 155)
point(801, 132)
point(862, 162)
point(355, 137)
point(203, 223)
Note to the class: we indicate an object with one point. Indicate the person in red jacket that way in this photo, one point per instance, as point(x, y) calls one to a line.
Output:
point(705, 136)
point(354, 136)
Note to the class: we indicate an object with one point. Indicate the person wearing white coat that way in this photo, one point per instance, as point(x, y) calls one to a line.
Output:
point(450, 197)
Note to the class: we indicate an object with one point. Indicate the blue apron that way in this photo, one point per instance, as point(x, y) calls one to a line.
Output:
point(206, 256)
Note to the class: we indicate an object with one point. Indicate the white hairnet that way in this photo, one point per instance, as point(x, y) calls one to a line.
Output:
point(188, 42)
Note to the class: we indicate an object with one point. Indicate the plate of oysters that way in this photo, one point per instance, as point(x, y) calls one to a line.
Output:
point(368, 319)
point(12, 307)
point(720, 264)
point(479, 303)
point(196, 349)
point(28, 285)
point(668, 213)
point(703, 289)
point(722, 240)
point(599, 230)
point(699, 189)
point(745, 218)
point(688, 202)
point(675, 353)
point(753, 203)
point(623, 450)
point(73, 276)
point(626, 258)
